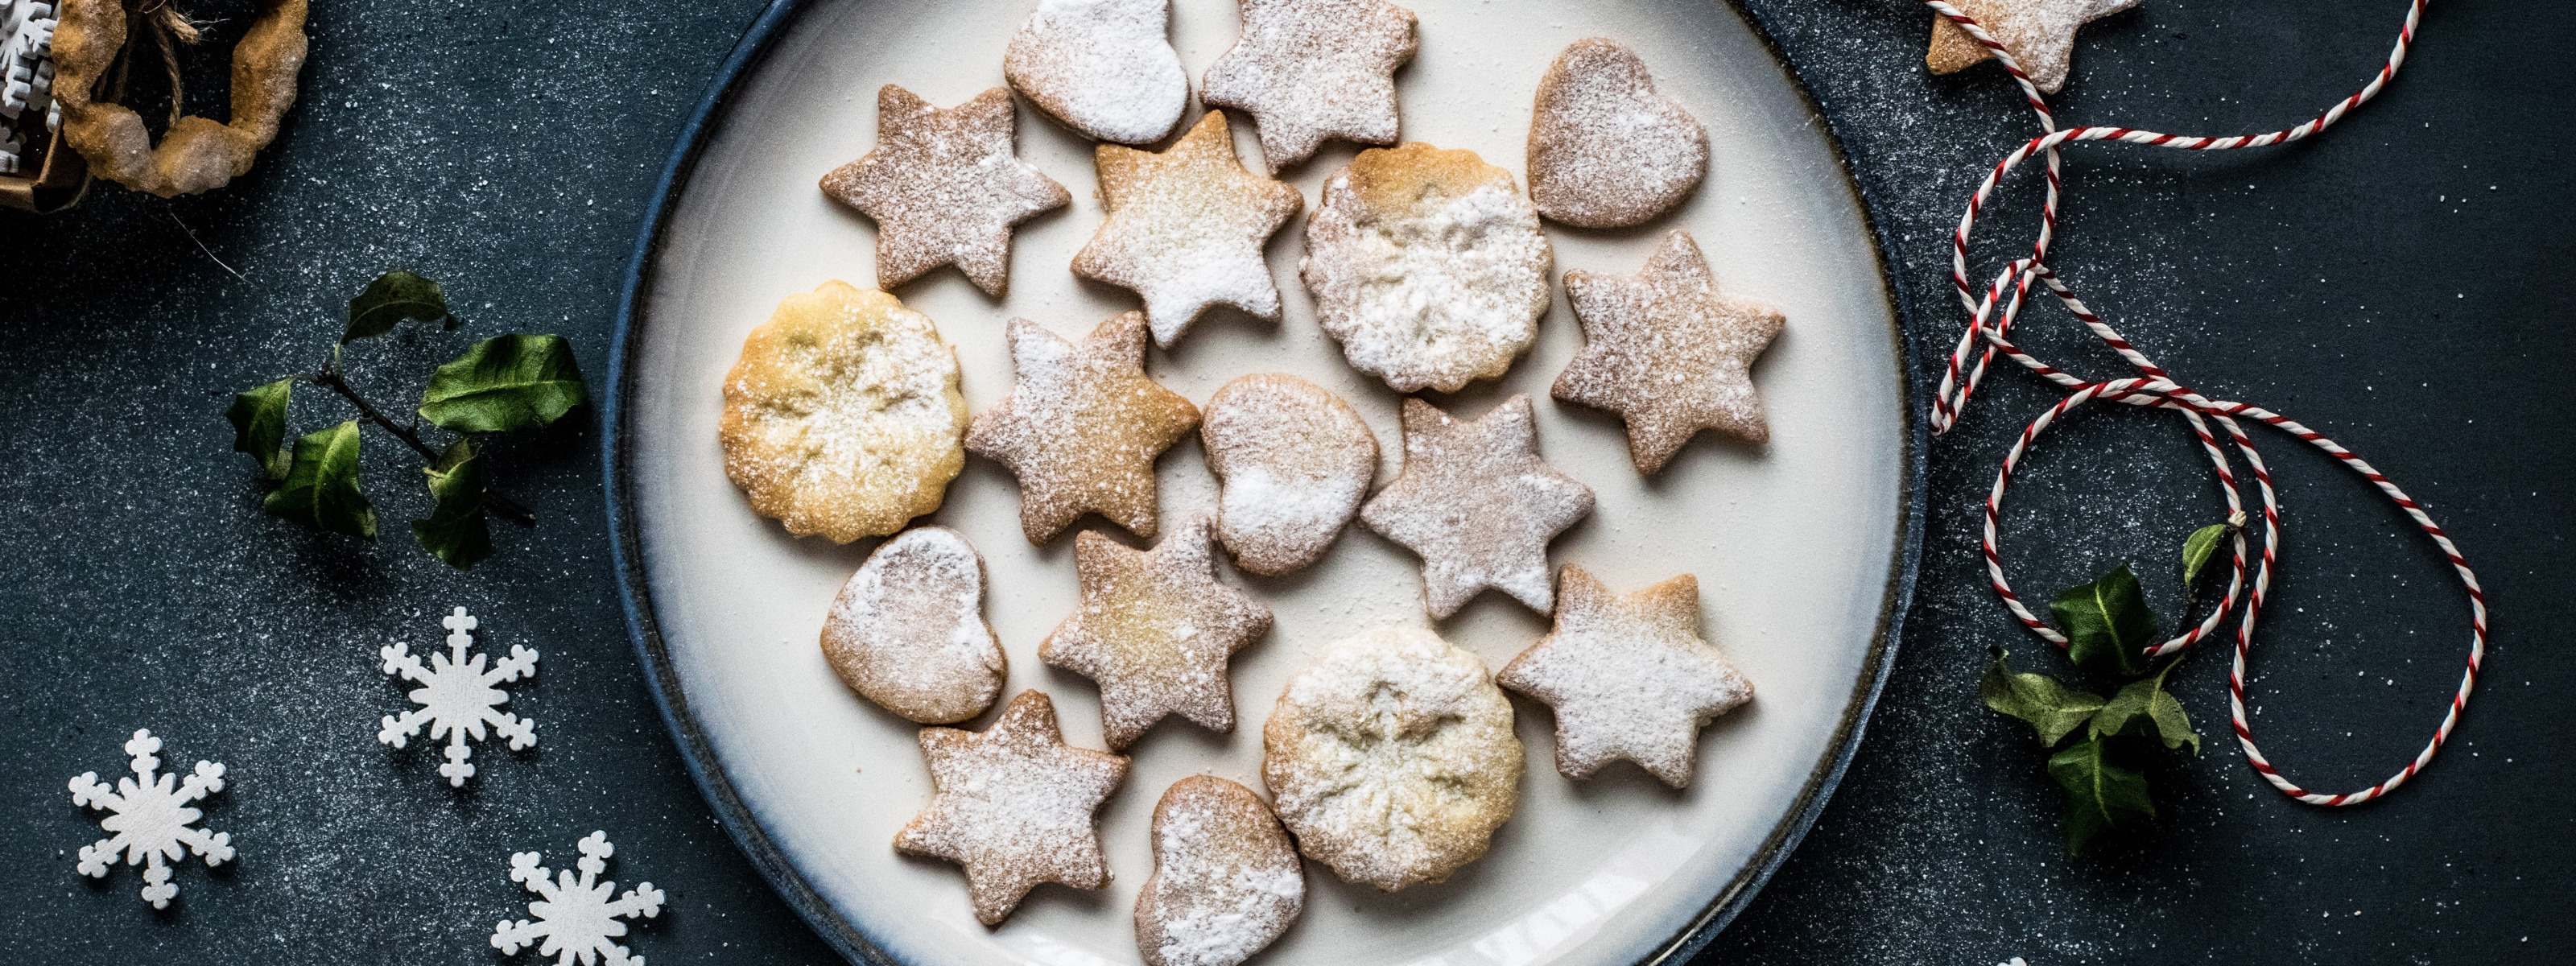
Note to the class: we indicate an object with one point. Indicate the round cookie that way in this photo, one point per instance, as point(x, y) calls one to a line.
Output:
point(1226, 881)
point(907, 631)
point(842, 416)
point(1606, 151)
point(1292, 462)
point(1428, 266)
point(1393, 758)
point(1105, 68)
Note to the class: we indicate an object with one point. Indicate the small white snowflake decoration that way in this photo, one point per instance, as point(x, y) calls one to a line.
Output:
point(151, 819)
point(457, 698)
point(575, 917)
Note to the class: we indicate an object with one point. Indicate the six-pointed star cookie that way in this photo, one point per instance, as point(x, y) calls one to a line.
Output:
point(1154, 631)
point(1307, 70)
point(1186, 228)
point(944, 187)
point(1013, 806)
point(1477, 503)
point(1628, 676)
point(2040, 34)
point(1668, 352)
point(1082, 427)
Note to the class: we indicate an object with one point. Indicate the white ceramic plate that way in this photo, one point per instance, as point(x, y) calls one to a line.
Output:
point(1799, 545)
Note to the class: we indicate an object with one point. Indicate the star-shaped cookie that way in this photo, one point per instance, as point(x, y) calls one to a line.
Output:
point(1082, 427)
point(1307, 70)
point(1477, 503)
point(2040, 34)
point(1013, 805)
point(1186, 227)
point(1668, 352)
point(1154, 631)
point(1628, 676)
point(944, 187)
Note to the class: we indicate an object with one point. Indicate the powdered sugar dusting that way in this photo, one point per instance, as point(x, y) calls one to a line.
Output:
point(1186, 228)
point(1226, 881)
point(1082, 427)
point(1478, 504)
point(1669, 352)
point(1014, 806)
point(1605, 150)
point(1629, 677)
point(2040, 34)
point(908, 630)
point(1307, 70)
point(1103, 67)
point(1293, 461)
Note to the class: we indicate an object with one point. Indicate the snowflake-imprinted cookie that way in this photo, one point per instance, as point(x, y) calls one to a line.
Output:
point(1013, 806)
point(1082, 427)
point(1628, 675)
point(457, 696)
point(1155, 630)
point(1186, 228)
point(577, 918)
point(152, 818)
point(1307, 70)
point(945, 187)
point(1669, 352)
point(1478, 504)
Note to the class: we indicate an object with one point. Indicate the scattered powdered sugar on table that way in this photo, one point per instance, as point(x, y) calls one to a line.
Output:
point(1103, 67)
point(1443, 291)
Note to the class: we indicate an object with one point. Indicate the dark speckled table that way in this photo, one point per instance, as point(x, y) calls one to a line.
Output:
point(2393, 284)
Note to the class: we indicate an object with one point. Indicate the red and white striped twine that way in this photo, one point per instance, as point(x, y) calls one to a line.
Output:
point(2157, 388)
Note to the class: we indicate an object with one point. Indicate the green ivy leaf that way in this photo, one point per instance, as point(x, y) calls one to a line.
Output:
point(2050, 708)
point(504, 383)
point(393, 297)
point(2100, 794)
point(456, 530)
point(258, 416)
point(321, 488)
point(2106, 622)
point(2144, 707)
point(2202, 545)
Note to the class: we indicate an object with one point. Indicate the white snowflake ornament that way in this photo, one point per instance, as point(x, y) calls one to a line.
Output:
point(457, 698)
point(151, 819)
point(575, 917)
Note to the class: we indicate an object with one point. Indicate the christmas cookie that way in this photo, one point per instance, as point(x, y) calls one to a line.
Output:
point(1606, 151)
point(1103, 67)
point(1292, 461)
point(907, 631)
point(1154, 631)
point(1013, 805)
point(1477, 503)
point(1628, 676)
point(841, 417)
point(1668, 352)
point(1082, 427)
point(1428, 266)
point(1226, 882)
point(944, 187)
point(1307, 70)
point(2040, 34)
point(1393, 758)
point(1186, 228)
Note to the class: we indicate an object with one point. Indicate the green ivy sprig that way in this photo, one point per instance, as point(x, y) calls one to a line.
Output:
point(2101, 744)
point(502, 384)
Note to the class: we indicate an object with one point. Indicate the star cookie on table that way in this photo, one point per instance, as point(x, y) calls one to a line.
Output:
point(1013, 805)
point(1154, 631)
point(1477, 503)
point(1668, 352)
point(1628, 675)
point(944, 187)
point(1307, 70)
point(1082, 426)
point(2039, 33)
point(1186, 227)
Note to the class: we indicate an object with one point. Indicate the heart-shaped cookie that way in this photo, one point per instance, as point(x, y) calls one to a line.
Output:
point(1103, 67)
point(1605, 150)
point(908, 632)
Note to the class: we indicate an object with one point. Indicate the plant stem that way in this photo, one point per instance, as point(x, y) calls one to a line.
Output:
point(494, 500)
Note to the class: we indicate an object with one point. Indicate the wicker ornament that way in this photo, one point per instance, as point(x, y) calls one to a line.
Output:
point(196, 153)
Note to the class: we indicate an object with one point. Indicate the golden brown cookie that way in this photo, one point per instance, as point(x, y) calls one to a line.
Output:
point(841, 417)
point(1428, 266)
point(1013, 804)
point(2040, 34)
point(1628, 675)
point(907, 631)
point(945, 188)
point(1082, 427)
point(1226, 881)
point(1478, 504)
point(1104, 67)
point(1393, 758)
point(1186, 228)
point(1154, 631)
point(1292, 463)
point(1307, 70)
point(1668, 352)
point(1605, 150)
